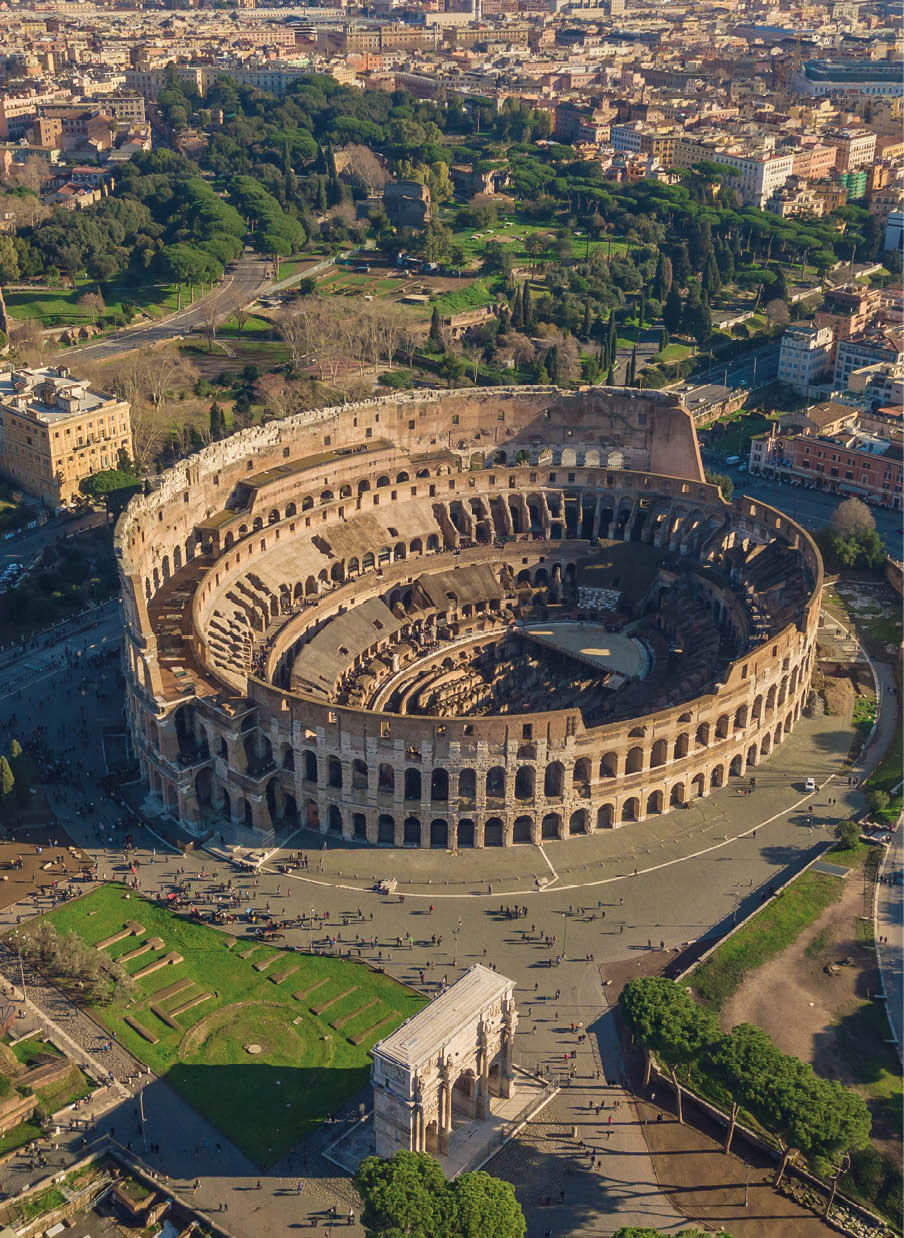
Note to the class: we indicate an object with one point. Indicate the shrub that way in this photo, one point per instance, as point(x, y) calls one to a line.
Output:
point(847, 835)
point(398, 380)
point(878, 801)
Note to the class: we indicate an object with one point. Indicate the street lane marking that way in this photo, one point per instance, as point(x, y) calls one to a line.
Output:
point(434, 896)
point(555, 875)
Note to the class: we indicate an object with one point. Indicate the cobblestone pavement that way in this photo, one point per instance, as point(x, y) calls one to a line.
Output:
point(696, 869)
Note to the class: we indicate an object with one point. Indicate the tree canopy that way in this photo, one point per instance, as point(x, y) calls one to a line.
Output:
point(409, 1195)
point(817, 1117)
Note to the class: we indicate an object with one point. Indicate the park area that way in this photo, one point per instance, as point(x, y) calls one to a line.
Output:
point(62, 306)
point(264, 1042)
point(804, 969)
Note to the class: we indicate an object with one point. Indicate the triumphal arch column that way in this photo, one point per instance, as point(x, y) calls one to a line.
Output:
point(450, 1059)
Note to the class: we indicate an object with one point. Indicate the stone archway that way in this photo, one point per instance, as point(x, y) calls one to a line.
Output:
point(458, 1057)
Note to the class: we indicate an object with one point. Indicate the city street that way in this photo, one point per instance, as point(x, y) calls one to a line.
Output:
point(813, 509)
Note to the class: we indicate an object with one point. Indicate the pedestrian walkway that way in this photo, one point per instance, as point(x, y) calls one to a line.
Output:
point(890, 933)
point(585, 1160)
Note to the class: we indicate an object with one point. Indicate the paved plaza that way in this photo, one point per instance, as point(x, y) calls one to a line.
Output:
point(598, 904)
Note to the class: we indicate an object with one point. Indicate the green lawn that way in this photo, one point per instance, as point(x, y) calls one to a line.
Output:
point(674, 352)
point(72, 1087)
point(513, 231)
point(307, 1066)
point(767, 934)
point(28, 1052)
point(468, 296)
point(876, 1072)
point(292, 266)
point(19, 1136)
point(251, 326)
point(731, 434)
point(60, 304)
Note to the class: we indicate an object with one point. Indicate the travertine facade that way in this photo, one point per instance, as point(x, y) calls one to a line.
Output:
point(452, 1057)
point(323, 614)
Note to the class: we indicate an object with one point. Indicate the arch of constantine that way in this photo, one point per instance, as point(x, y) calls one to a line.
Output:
point(450, 1058)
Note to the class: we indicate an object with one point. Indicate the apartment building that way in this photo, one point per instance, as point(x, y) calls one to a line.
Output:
point(757, 175)
point(17, 111)
point(854, 148)
point(867, 348)
point(848, 310)
point(55, 431)
point(814, 162)
point(806, 355)
point(848, 461)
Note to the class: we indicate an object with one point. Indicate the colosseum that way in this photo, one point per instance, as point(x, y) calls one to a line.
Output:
point(457, 619)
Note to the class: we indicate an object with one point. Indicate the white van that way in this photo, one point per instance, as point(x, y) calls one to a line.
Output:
point(810, 785)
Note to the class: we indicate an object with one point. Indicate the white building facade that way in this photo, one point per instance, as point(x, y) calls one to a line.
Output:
point(806, 354)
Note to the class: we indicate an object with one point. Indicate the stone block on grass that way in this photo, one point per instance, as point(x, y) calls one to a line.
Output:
point(301, 994)
point(338, 1024)
point(152, 943)
point(190, 1004)
point(169, 960)
point(279, 976)
point(163, 1016)
point(170, 990)
point(141, 1030)
point(132, 929)
point(331, 1001)
point(369, 1031)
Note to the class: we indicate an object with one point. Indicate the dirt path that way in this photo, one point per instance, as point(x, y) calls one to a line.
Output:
point(795, 1000)
point(828, 1017)
point(710, 1187)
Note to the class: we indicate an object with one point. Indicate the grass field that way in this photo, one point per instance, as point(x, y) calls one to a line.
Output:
point(60, 304)
point(731, 434)
point(307, 1066)
point(877, 1073)
point(513, 231)
point(767, 934)
point(468, 296)
point(73, 1087)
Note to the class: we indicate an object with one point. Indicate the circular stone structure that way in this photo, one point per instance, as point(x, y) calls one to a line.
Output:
point(458, 619)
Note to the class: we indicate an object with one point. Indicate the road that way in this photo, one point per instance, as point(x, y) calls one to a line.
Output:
point(754, 369)
point(890, 933)
point(244, 280)
point(811, 508)
point(29, 542)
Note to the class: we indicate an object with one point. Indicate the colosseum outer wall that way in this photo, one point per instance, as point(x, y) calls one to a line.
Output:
point(333, 762)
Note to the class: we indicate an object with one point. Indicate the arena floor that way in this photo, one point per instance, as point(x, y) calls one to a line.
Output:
point(592, 643)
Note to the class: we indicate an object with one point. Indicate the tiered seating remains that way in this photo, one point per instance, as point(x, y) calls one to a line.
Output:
point(775, 587)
